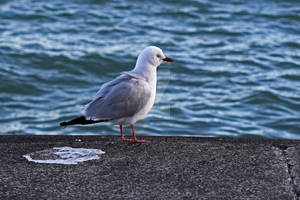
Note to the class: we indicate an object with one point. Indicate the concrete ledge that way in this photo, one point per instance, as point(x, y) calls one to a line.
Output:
point(166, 168)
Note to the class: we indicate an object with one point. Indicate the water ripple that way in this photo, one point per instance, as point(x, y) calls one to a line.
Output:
point(236, 71)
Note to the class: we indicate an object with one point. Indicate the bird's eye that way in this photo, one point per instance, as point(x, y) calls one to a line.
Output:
point(158, 55)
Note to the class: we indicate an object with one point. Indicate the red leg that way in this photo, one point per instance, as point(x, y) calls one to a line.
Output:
point(121, 131)
point(122, 135)
point(134, 138)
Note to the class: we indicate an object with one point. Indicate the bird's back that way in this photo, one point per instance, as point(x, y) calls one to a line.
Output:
point(120, 99)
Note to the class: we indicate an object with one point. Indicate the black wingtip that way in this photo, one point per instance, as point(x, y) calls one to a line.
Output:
point(81, 120)
point(63, 124)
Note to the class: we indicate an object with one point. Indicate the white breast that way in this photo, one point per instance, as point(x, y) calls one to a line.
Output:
point(147, 107)
point(141, 114)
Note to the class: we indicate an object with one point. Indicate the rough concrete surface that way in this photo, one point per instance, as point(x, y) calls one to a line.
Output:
point(165, 168)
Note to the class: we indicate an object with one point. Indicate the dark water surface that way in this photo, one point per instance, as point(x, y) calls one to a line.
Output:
point(237, 69)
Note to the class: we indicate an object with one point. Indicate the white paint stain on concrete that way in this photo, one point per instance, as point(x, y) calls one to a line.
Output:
point(64, 155)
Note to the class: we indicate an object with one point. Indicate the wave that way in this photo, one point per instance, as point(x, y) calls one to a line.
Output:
point(236, 69)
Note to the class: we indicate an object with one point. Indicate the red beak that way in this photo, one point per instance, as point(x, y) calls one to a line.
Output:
point(167, 59)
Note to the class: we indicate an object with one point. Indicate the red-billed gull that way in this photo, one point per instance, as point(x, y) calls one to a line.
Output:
point(128, 98)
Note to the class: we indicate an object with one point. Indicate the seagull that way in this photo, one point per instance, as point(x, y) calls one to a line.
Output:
point(128, 98)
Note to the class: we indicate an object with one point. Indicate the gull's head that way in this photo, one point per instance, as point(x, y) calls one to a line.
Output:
point(152, 56)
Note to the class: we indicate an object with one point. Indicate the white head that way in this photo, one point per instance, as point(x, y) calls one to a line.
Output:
point(152, 56)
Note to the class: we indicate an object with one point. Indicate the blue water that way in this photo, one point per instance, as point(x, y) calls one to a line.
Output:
point(236, 70)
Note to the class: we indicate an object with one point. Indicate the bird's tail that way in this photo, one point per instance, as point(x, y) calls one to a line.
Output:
point(80, 120)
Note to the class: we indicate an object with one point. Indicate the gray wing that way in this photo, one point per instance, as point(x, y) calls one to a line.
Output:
point(122, 97)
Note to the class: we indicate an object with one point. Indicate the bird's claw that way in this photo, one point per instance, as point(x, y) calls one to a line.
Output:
point(135, 140)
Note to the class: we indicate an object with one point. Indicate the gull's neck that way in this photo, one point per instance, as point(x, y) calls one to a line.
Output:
point(146, 70)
